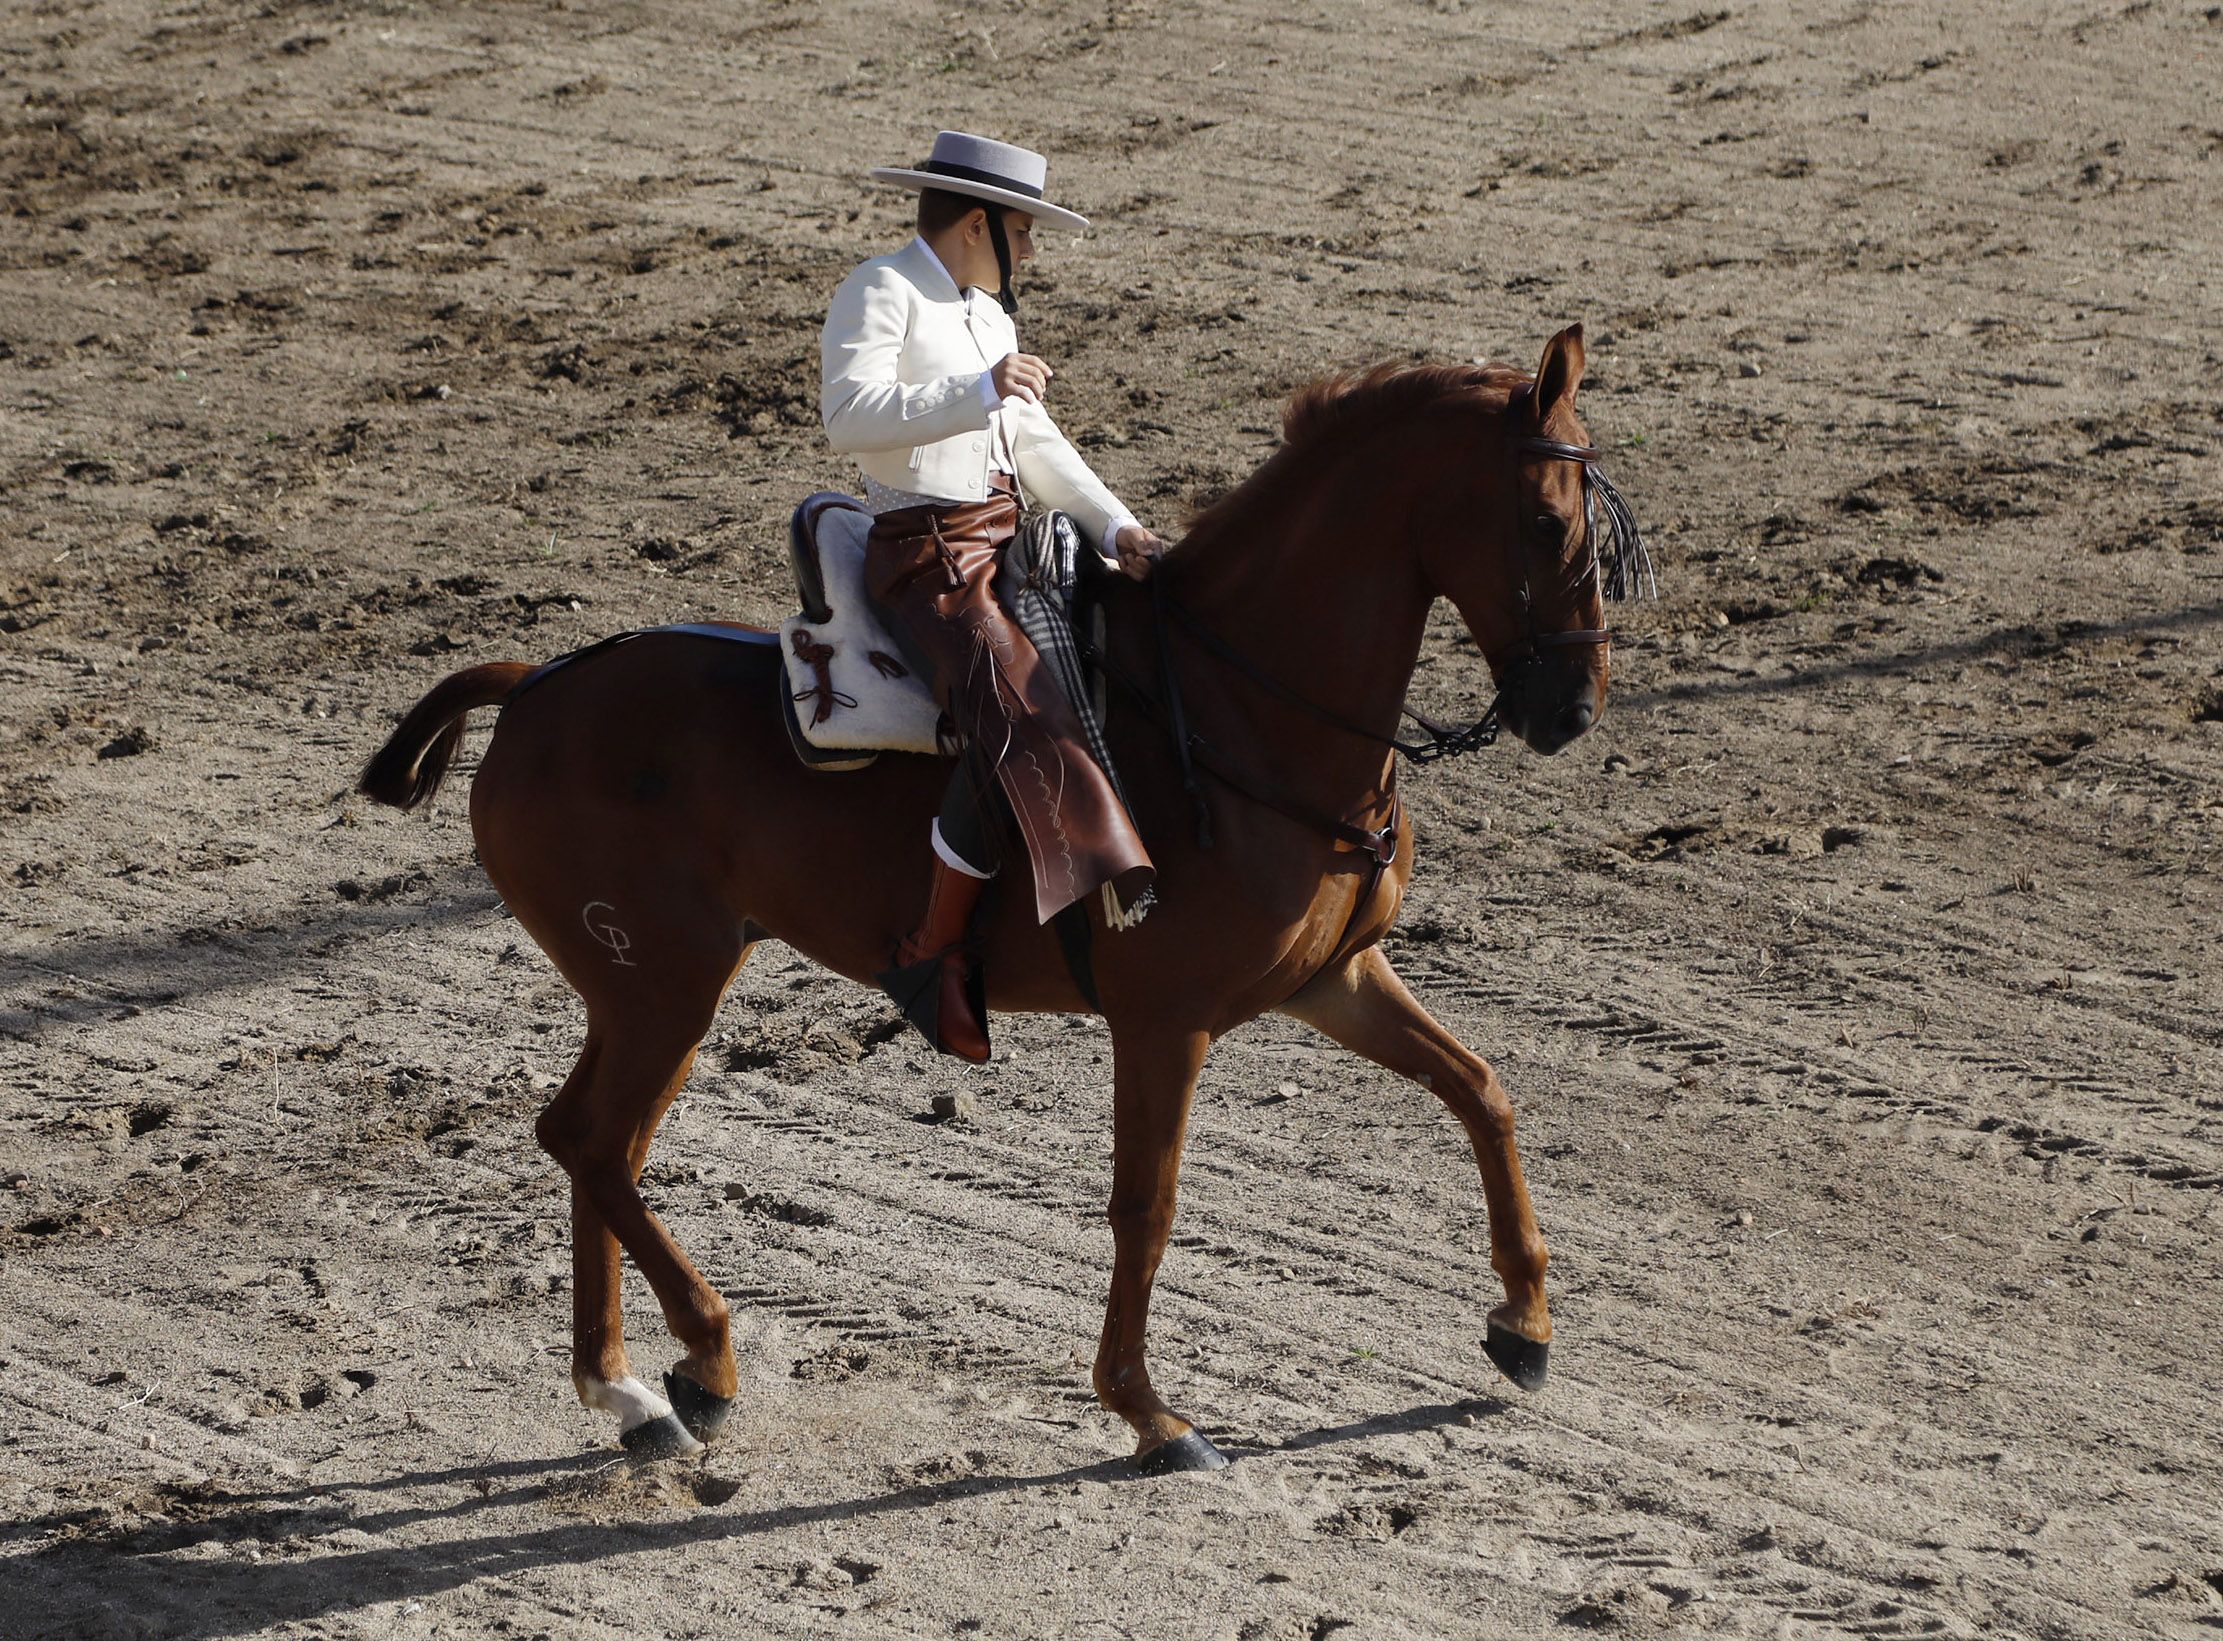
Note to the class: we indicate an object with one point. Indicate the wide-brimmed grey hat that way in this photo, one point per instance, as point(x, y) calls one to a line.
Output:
point(982, 168)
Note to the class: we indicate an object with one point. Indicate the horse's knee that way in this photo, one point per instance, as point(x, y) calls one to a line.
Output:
point(1145, 1219)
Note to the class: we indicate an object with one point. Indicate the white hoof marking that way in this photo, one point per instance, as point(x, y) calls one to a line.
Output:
point(633, 1402)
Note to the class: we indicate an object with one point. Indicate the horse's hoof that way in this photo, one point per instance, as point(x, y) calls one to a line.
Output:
point(703, 1414)
point(1190, 1452)
point(1520, 1358)
point(660, 1438)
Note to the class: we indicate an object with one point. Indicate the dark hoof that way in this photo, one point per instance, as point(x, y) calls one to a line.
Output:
point(664, 1438)
point(1520, 1358)
point(1190, 1452)
point(703, 1414)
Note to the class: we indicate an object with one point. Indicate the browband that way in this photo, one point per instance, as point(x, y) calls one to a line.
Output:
point(1557, 451)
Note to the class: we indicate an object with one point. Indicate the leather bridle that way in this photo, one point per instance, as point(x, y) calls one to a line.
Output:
point(1534, 642)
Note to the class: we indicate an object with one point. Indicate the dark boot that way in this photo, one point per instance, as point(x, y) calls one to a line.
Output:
point(933, 979)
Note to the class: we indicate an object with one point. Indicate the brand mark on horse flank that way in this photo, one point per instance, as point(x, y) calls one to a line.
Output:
point(608, 933)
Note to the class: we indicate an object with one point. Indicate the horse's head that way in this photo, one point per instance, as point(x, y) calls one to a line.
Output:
point(1555, 541)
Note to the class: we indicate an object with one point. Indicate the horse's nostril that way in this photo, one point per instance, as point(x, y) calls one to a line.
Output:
point(1576, 719)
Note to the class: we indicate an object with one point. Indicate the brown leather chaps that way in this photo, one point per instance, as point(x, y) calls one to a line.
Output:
point(931, 567)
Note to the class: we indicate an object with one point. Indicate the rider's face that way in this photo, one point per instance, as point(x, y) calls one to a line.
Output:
point(980, 249)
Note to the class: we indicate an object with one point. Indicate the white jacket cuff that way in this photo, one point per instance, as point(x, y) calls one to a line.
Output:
point(989, 397)
point(1110, 542)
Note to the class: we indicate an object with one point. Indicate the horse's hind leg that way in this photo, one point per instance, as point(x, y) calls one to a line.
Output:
point(597, 1322)
point(599, 1128)
point(1366, 1008)
point(601, 1372)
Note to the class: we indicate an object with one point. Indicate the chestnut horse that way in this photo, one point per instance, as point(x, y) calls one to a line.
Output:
point(643, 816)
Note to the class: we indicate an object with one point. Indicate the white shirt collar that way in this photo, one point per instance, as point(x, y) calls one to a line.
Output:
point(920, 241)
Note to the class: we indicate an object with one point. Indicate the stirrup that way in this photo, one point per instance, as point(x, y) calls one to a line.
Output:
point(916, 989)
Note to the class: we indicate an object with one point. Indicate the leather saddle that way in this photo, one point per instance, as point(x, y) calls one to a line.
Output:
point(852, 687)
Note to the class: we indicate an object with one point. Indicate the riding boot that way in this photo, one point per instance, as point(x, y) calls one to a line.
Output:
point(933, 979)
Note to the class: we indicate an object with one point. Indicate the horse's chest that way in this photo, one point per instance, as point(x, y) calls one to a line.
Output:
point(1380, 896)
point(1351, 912)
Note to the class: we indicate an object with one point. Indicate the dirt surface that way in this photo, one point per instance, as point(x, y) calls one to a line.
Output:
point(1856, 980)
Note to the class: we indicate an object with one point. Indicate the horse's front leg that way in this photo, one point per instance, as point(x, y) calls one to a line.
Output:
point(1366, 1008)
point(1153, 1080)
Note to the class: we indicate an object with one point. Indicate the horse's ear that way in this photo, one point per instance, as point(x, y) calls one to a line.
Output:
point(1560, 373)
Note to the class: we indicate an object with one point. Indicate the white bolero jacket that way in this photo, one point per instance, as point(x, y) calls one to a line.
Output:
point(905, 388)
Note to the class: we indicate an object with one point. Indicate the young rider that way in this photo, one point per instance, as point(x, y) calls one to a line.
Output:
point(924, 384)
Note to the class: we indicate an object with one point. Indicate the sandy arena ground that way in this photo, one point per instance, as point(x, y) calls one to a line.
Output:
point(1856, 980)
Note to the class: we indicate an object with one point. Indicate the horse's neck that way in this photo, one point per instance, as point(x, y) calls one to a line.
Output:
point(1316, 586)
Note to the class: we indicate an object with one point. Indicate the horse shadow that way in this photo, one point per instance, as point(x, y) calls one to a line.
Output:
point(139, 1585)
point(74, 981)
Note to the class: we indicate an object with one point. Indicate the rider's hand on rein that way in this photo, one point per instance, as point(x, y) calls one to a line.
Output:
point(1138, 551)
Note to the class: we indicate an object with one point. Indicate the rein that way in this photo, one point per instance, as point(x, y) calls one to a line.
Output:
point(1194, 752)
point(1442, 741)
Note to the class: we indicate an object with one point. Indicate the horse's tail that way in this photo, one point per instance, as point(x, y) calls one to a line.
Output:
point(408, 769)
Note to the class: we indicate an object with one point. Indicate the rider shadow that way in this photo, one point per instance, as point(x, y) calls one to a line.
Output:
point(212, 1513)
point(107, 1589)
point(2011, 642)
point(119, 1593)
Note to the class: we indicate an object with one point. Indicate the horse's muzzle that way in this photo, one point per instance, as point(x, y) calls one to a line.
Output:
point(1549, 706)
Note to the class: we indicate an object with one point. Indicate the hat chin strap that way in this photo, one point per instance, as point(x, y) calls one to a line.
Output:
point(1002, 243)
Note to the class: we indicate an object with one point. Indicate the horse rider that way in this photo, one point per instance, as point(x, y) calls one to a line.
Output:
point(924, 384)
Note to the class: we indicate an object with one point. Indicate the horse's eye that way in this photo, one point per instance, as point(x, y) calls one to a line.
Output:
point(1551, 530)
